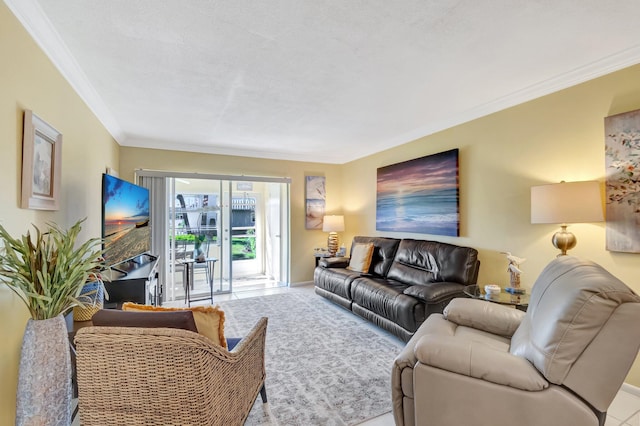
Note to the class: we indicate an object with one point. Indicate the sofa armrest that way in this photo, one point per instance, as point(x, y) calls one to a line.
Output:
point(474, 359)
point(434, 292)
point(483, 315)
point(334, 262)
point(254, 340)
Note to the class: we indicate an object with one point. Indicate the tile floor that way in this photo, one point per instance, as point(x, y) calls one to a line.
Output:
point(200, 288)
point(624, 410)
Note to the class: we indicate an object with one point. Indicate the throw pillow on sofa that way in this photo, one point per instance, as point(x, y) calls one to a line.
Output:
point(209, 319)
point(162, 319)
point(361, 255)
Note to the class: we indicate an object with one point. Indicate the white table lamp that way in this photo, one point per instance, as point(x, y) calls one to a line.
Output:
point(564, 203)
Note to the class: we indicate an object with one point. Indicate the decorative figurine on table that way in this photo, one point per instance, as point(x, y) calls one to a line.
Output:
point(514, 272)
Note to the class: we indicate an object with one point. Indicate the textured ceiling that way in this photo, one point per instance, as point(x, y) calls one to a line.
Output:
point(317, 80)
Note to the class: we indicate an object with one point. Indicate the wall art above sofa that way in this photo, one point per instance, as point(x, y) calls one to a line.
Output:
point(420, 195)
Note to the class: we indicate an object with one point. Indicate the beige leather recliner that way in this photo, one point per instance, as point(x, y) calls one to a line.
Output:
point(561, 363)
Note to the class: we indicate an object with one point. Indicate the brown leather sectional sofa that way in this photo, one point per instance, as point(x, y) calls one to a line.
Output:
point(407, 281)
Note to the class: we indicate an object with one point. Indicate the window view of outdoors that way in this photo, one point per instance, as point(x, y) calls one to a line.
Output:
point(197, 225)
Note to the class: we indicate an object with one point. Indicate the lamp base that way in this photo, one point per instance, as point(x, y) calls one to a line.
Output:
point(332, 243)
point(564, 240)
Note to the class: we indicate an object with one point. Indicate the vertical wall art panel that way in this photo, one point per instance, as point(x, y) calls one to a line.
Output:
point(420, 195)
point(41, 164)
point(622, 157)
point(315, 199)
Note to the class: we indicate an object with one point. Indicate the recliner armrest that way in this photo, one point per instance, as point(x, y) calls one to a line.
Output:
point(334, 262)
point(480, 361)
point(406, 359)
point(483, 315)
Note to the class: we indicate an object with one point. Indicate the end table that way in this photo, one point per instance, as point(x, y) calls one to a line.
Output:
point(519, 301)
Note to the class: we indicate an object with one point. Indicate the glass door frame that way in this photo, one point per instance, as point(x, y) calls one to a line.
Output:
point(224, 218)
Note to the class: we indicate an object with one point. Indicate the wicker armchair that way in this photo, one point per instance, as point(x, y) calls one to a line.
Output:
point(162, 376)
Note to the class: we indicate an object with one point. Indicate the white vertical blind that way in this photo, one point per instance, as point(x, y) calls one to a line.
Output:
point(157, 187)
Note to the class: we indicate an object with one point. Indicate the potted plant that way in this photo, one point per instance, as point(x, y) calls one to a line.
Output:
point(47, 272)
point(198, 253)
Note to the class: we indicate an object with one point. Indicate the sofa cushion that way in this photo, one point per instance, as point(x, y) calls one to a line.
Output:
point(117, 318)
point(435, 292)
point(361, 254)
point(420, 262)
point(383, 252)
point(386, 299)
point(209, 319)
point(335, 280)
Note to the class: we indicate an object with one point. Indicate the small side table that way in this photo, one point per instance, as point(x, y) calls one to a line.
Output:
point(188, 278)
point(319, 256)
point(519, 301)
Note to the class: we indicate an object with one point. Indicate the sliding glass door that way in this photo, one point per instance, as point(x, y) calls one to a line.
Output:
point(238, 224)
point(256, 234)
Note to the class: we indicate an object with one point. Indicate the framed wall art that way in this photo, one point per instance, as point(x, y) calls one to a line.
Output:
point(622, 160)
point(41, 164)
point(315, 201)
point(420, 195)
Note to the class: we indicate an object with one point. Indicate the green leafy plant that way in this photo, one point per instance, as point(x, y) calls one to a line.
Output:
point(198, 240)
point(243, 248)
point(189, 238)
point(48, 272)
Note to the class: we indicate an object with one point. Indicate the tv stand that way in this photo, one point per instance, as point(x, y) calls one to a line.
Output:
point(133, 280)
point(124, 273)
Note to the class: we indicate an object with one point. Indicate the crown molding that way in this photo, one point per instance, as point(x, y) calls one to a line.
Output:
point(138, 142)
point(32, 17)
point(599, 68)
point(34, 20)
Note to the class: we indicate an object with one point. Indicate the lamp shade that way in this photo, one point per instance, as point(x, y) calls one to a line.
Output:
point(333, 223)
point(567, 202)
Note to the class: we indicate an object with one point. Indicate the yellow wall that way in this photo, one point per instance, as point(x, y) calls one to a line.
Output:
point(556, 137)
point(28, 80)
point(302, 241)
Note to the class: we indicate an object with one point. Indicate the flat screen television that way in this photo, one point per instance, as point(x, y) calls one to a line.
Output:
point(125, 220)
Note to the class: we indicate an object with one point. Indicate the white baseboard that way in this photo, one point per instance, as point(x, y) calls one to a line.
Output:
point(633, 390)
point(301, 284)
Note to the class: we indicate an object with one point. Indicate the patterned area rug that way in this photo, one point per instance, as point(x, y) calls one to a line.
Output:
point(325, 366)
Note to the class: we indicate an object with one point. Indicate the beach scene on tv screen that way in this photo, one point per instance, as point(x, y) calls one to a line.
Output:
point(126, 220)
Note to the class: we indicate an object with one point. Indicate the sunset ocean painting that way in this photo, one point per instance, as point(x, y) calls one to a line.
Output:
point(420, 195)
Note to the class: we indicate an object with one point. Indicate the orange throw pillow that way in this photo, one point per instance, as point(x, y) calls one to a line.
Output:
point(361, 255)
point(209, 319)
